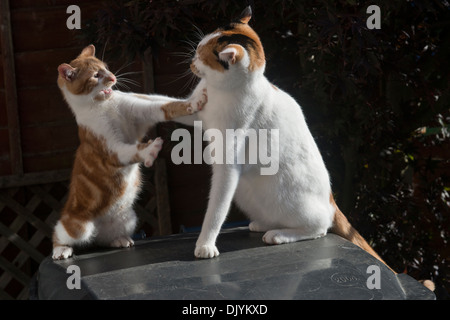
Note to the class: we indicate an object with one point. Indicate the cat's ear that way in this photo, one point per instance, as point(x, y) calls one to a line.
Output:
point(246, 15)
point(231, 53)
point(88, 51)
point(66, 72)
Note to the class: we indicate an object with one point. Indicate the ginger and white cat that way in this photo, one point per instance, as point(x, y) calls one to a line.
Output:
point(294, 204)
point(106, 174)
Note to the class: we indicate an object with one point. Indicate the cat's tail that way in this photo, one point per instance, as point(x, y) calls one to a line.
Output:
point(342, 227)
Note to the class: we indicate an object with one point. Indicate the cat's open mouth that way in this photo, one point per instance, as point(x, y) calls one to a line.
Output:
point(107, 92)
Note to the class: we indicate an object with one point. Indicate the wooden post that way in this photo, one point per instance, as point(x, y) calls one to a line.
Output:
point(162, 198)
point(12, 109)
point(147, 66)
point(161, 187)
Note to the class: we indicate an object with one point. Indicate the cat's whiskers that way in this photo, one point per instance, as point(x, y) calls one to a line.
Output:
point(127, 80)
point(104, 50)
point(190, 44)
point(127, 73)
point(181, 76)
point(192, 81)
point(199, 33)
point(124, 82)
point(187, 56)
point(122, 85)
point(124, 66)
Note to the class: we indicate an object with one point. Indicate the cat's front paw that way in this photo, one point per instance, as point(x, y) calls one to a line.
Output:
point(206, 251)
point(62, 252)
point(150, 153)
point(198, 103)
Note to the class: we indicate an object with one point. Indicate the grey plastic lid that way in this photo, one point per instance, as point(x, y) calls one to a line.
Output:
point(165, 268)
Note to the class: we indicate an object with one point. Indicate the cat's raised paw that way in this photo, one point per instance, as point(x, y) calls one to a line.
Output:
point(198, 103)
point(151, 152)
point(206, 251)
point(122, 242)
point(62, 252)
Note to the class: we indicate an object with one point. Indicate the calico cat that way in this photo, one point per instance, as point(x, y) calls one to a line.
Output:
point(294, 204)
point(106, 174)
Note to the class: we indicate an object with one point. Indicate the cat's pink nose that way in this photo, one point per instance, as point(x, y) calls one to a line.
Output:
point(111, 78)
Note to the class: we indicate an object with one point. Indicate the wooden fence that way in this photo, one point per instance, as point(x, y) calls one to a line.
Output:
point(27, 216)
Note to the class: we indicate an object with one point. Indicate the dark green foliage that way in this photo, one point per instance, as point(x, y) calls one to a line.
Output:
point(377, 102)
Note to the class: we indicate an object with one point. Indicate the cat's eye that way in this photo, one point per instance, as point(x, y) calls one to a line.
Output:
point(96, 75)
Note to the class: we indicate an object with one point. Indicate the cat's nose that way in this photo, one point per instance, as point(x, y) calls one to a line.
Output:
point(111, 78)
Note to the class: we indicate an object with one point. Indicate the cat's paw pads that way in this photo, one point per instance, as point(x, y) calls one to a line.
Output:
point(206, 251)
point(62, 252)
point(122, 242)
point(274, 237)
point(198, 103)
point(152, 151)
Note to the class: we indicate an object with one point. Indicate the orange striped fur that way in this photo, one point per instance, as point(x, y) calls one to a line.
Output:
point(96, 183)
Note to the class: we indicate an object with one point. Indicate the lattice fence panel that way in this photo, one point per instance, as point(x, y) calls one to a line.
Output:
point(27, 217)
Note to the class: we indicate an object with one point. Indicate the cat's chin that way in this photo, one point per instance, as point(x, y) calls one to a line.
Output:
point(104, 94)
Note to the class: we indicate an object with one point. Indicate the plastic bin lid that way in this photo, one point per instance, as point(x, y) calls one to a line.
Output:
point(165, 268)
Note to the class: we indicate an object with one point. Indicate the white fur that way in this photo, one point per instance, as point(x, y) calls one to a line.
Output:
point(65, 251)
point(64, 237)
point(124, 118)
point(289, 206)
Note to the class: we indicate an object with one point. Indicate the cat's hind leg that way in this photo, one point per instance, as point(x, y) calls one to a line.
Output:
point(68, 233)
point(311, 220)
point(283, 235)
point(257, 226)
point(280, 236)
point(115, 228)
point(122, 242)
point(125, 227)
